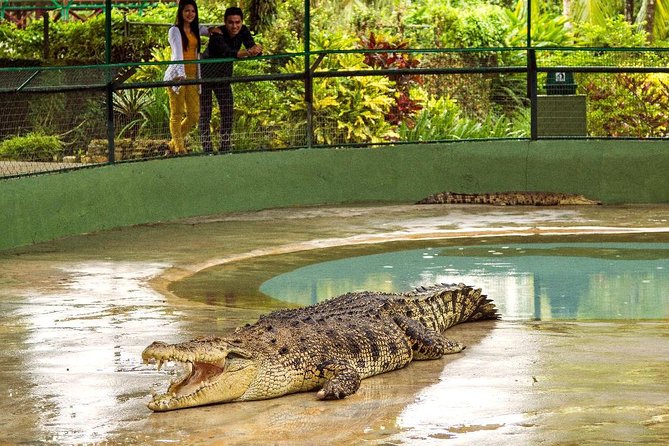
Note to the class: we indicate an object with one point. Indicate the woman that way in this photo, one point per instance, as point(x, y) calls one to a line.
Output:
point(184, 39)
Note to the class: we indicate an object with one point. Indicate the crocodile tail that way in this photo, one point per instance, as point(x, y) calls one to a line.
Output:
point(442, 306)
point(438, 198)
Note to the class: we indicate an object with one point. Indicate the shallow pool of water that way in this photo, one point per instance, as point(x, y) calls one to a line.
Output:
point(540, 281)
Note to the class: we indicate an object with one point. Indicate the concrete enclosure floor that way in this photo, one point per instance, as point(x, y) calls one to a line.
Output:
point(76, 313)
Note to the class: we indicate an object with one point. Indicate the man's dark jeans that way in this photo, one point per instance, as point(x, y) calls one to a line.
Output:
point(223, 93)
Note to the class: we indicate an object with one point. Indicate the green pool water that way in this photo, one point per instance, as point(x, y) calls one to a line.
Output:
point(533, 281)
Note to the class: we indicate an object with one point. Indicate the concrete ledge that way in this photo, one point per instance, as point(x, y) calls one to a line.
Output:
point(45, 207)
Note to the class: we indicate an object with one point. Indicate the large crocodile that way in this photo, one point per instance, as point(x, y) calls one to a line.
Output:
point(330, 346)
point(508, 198)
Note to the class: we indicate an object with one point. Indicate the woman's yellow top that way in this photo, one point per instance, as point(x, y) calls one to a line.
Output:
point(191, 54)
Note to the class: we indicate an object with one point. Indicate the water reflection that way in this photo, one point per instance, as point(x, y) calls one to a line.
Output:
point(79, 342)
point(567, 281)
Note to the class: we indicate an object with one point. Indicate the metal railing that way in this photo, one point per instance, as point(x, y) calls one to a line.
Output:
point(65, 8)
point(72, 117)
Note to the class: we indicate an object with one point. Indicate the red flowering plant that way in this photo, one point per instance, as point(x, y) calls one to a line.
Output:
point(392, 55)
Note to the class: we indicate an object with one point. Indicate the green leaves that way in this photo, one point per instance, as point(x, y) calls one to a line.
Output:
point(350, 110)
point(31, 147)
point(442, 119)
point(129, 106)
point(629, 104)
point(547, 29)
point(469, 26)
point(612, 32)
point(594, 12)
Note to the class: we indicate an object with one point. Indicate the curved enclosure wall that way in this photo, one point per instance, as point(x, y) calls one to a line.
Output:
point(45, 207)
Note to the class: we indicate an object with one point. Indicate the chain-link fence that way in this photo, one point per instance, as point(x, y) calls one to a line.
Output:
point(54, 118)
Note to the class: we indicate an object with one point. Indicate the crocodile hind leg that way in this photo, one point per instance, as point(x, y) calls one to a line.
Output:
point(341, 380)
point(426, 343)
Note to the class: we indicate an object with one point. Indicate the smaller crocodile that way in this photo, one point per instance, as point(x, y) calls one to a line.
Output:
point(508, 199)
point(329, 346)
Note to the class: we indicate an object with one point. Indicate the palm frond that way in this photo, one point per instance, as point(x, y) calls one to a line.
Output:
point(594, 12)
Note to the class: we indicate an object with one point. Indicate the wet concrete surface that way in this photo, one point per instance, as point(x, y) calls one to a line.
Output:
point(76, 313)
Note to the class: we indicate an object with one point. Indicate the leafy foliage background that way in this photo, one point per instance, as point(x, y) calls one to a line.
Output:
point(362, 109)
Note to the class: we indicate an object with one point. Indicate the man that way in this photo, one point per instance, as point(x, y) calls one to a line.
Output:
point(226, 44)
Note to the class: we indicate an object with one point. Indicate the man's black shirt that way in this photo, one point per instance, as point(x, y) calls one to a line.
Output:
point(222, 46)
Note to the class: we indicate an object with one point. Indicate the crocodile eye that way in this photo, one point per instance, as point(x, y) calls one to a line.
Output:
point(235, 362)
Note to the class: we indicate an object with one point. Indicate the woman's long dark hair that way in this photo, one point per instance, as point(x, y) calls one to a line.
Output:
point(194, 25)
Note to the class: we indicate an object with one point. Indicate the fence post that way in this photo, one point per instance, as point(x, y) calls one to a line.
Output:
point(109, 85)
point(532, 91)
point(308, 78)
point(531, 74)
point(45, 35)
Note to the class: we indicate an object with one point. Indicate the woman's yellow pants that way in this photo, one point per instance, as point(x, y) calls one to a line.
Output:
point(184, 114)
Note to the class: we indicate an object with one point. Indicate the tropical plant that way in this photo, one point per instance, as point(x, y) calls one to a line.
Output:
point(47, 116)
point(156, 115)
point(262, 14)
point(475, 25)
point(653, 17)
point(442, 119)
point(287, 31)
point(261, 109)
point(128, 106)
point(86, 123)
point(153, 72)
point(594, 12)
point(34, 146)
point(18, 43)
point(346, 109)
point(547, 29)
point(141, 113)
point(612, 32)
point(629, 104)
point(389, 58)
point(351, 110)
point(650, 16)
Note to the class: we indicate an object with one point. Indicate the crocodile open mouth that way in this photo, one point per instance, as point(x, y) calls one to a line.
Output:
point(191, 377)
point(204, 373)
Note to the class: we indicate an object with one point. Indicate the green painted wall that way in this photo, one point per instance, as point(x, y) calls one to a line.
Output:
point(44, 207)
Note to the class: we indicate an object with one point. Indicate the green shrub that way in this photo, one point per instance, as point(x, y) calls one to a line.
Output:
point(346, 109)
point(31, 147)
point(628, 104)
point(476, 25)
point(442, 119)
point(16, 43)
point(547, 30)
point(262, 111)
point(286, 34)
point(616, 32)
point(84, 42)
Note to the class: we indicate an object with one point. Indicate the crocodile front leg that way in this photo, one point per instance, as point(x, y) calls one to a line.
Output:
point(341, 379)
point(426, 343)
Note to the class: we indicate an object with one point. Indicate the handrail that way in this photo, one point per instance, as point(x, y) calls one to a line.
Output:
point(27, 80)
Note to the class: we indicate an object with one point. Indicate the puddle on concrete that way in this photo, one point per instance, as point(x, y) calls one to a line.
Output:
point(74, 348)
point(76, 313)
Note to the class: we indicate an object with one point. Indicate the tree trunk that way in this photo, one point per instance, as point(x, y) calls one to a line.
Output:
point(566, 7)
point(650, 20)
point(629, 11)
point(262, 14)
